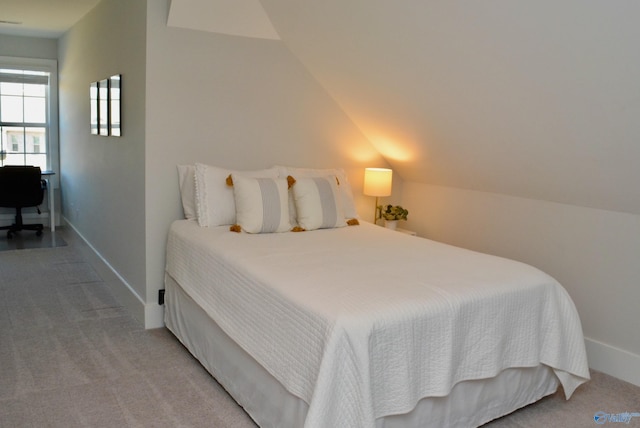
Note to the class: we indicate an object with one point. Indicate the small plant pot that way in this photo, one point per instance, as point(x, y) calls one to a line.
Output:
point(391, 224)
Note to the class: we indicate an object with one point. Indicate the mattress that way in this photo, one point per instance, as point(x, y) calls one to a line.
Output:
point(362, 323)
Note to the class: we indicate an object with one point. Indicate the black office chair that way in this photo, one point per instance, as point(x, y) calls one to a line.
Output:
point(21, 187)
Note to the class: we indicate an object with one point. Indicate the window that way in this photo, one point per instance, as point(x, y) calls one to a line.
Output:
point(15, 146)
point(25, 129)
point(36, 143)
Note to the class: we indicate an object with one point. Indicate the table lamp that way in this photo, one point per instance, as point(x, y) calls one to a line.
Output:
point(377, 182)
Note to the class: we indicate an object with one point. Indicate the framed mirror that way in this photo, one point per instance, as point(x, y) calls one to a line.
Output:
point(105, 98)
point(115, 128)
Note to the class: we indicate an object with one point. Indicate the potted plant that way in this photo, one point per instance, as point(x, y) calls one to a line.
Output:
point(392, 214)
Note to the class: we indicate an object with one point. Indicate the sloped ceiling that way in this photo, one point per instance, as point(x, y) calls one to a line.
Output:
point(41, 18)
point(244, 18)
point(538, 99)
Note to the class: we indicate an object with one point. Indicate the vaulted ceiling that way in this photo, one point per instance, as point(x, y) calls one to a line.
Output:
point(533, 99)
point(537, 99)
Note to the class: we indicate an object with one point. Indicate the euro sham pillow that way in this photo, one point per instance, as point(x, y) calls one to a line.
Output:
point(262, 204)
point(318, 203)
point(215, 201)
point(187, 182)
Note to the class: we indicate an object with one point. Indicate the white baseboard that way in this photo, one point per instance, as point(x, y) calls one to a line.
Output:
point(154, 315)
point(121, 289)
point(613, 361)
point(150, 314)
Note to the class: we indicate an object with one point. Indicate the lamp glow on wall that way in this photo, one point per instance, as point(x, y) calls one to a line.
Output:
point(377, 182)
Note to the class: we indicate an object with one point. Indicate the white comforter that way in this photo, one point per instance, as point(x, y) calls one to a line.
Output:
point(362, 322)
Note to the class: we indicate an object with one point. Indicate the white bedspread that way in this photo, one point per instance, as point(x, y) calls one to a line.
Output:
point(362, 322)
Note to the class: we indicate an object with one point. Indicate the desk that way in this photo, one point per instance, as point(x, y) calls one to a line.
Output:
point(51, 196)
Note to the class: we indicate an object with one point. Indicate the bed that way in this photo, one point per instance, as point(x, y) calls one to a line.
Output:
point(361, 326)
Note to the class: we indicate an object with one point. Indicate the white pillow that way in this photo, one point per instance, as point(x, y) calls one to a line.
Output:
point(215, 203)
point(346, 193)
point(261, 204)
point(318, 204)
point(187, 180)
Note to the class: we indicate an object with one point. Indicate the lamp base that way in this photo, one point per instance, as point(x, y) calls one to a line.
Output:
point(375, 212)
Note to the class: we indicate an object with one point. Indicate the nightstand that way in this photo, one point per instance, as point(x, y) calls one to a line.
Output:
point(408, 232)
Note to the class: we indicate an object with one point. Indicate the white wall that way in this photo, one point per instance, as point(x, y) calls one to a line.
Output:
point(28, 47)
point(466, 93)
point(102, 178)
point(235, 102)
point(188, 96)
point(593, 253)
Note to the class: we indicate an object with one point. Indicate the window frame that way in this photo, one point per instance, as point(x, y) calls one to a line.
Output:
point(50, 66)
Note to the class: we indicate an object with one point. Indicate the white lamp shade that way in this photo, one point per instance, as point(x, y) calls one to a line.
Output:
point(377, 181)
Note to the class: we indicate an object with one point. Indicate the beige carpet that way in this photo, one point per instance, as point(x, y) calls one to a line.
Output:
point(71, 356)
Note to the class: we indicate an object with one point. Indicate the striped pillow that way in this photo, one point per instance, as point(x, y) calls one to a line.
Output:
point(318, 204)
point(344, 187)
point(261, 204)
point(215, 204)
